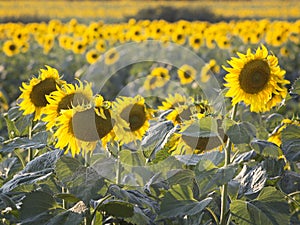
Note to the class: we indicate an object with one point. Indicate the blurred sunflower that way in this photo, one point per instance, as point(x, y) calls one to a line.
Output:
point(175, 100)
point(66, 97)
point(179, 36)
point(79, 46)
point(187, 112)
point(195, 41)
point(34, 94)
point(256, 79)
point(92, 56)
point(207, 69)
point(111, 56)
point(186, 74)
point(101, 45)
point(131, 118)
point(158, 77)
point(10, 48)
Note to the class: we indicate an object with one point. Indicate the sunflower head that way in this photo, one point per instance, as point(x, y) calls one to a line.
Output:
point(34, 94)
point(175, 100)
point(66, 97)
point(256, 79)
point(132, 118)
point(186, 74)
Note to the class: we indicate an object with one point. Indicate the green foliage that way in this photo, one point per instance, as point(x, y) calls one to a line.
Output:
point(270, 207)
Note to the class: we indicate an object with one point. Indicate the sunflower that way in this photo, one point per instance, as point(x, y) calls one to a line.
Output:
point(132, 118)
point(66, 97)
point(186, 74)
point(34, 94)
point(104, 122)
point(195, 41)
point(81, 127)
point(188, 143)
point(111, 56)
point(10, 48)
point(207, 69)
point(256, 79)
point(158, 77)
point(179, 37)
point(187, 112)
point(76, 130)
point(175, 100)
point(92, 56)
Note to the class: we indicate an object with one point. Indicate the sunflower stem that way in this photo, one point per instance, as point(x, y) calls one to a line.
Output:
point(30, 150)
point(224, 188)
point(118, 169)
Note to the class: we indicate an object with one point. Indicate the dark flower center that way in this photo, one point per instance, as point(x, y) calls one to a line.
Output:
point(254, 76)
point(39, 92)
point(70, 100)
point(88, 126)
point(135, 115)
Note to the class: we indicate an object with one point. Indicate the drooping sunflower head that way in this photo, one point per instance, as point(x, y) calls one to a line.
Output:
point(186, 74)
point(66, 97)
point(34, 94)
point(256, 79)
point(132, 118)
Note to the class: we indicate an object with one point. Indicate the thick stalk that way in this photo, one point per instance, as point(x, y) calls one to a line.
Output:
point(30, 150)
point(225, 186)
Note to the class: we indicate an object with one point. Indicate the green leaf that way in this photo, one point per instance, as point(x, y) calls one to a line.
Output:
point(204, 127)
point(210, 177)
point(118, 208)
point(251, 180)
point(273, 121)
point(131, 158)
point(36, 203)
point(290, 182)
point(290, 137)
point(242, 132)
point(83, 182)
point(67, 197)
point(269, 208)
point(295, 89)
point(181, 176)
point(179, 201)
point(37, 141)
point(265, 148)
point(216, 157)
point(156, 138)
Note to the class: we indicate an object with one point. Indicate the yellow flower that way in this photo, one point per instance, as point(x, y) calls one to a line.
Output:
point(34, 94)
point(111, 56)
point(10, 48)
point(131, 118)
point(104, 121)
point(158, 77)
point(256, 79)
point(179, 36)
point(81, 127)
point(195, 41)
point(208, 68)
point(187, 112)
point(175, 100)
point(66, 97)
point(92, 56)
point(186, 74)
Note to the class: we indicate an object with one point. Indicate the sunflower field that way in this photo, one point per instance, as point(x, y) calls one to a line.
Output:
point(108, 117)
